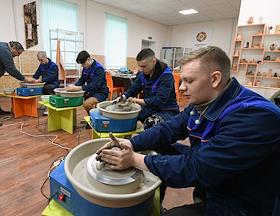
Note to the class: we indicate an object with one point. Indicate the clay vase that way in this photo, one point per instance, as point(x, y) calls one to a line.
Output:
point(250, 20)
point(239, 37)
point(269, 73)
point(234, 67)
point(272, 47)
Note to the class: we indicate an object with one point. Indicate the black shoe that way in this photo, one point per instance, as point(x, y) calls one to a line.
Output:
point(2, 112)
point(88, 126)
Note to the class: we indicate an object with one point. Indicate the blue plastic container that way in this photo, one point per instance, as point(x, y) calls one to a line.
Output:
point(62, 191)
point(105, 124)
point(29, 91)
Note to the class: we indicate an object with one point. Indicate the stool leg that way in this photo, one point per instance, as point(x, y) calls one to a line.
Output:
point(67, 120)
point(54, 120)
point(17, 107)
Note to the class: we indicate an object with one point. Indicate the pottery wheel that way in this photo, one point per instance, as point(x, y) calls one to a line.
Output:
point(120, 107)
point(111, 177)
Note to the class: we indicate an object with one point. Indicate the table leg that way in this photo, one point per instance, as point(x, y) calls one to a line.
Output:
point(64, 119)
point(25, 107)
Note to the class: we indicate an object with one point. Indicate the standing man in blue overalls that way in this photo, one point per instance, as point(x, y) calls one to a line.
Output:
point(47, 72)
point(156, 81)
point(235, 143)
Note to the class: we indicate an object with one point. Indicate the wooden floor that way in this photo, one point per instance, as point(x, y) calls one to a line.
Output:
point(25, 161)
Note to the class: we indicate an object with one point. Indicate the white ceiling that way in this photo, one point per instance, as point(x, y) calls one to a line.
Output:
point(166, 11)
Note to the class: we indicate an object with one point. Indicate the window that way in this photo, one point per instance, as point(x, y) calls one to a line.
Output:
point(116, 42)
point(58, 14)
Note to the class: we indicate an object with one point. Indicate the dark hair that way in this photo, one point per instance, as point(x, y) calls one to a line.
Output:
point(16, 45)
point(144, 54)
point(211, 57)
point(82, 57)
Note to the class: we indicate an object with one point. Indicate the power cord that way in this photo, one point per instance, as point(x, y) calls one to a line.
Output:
point(39, 135)
point(53, 165)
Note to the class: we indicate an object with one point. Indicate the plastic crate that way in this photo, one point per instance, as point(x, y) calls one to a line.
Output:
point(29, 91)
point(58, 101)
point(105, 124)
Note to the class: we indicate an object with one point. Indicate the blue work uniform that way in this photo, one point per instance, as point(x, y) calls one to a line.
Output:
point(158, 93)
point(49, 73)
point(234, 153)
point(93, 82)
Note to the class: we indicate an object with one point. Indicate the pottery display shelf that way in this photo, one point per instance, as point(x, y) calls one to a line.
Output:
point(256, 50)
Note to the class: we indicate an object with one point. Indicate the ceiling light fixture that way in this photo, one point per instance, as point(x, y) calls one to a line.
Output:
point(187, 12)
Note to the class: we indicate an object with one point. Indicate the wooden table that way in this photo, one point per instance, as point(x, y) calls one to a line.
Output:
point(61, 118)
point(95, 134)
point(23, 105)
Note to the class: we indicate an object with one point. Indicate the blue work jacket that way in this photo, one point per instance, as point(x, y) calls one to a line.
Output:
point(49, 73)
point(93, 81)
point(158, 91)
point(234, 154)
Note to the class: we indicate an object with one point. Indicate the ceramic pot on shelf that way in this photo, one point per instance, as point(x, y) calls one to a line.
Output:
point(272, 47)
point(250, 20)
point(239, 37)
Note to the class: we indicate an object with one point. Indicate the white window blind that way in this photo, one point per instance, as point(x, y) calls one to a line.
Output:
point(115, 42)
point(57, 14)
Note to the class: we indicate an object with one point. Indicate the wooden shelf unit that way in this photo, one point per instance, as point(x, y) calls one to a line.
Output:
point(251, 46)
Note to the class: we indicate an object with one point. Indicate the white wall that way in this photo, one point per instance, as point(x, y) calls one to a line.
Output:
point(92, 22)
point(19, 20)
point(269, 10)
point(219, 33)
point(138, 29)
point(7, 32)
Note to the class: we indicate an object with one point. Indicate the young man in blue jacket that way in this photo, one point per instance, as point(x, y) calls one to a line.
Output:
point(235, 143)
point(156, 81)
point(47, 72)
point(92, 81)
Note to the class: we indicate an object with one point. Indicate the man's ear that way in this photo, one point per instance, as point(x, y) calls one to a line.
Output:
point(216, 78)
point(154, 60)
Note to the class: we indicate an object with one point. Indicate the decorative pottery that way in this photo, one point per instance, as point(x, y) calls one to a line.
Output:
point(238, 37)
point(250, 20)
point(272, 46)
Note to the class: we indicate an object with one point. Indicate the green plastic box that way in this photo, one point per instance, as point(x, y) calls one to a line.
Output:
point(58, 101)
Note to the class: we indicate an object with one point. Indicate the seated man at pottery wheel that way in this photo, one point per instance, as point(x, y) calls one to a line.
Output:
point(157, 83)
point(47, 72)
point(92, 81)
point(233, 160)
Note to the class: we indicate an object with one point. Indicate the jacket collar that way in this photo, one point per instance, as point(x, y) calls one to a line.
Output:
point(46, 66)
point(223, 100)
